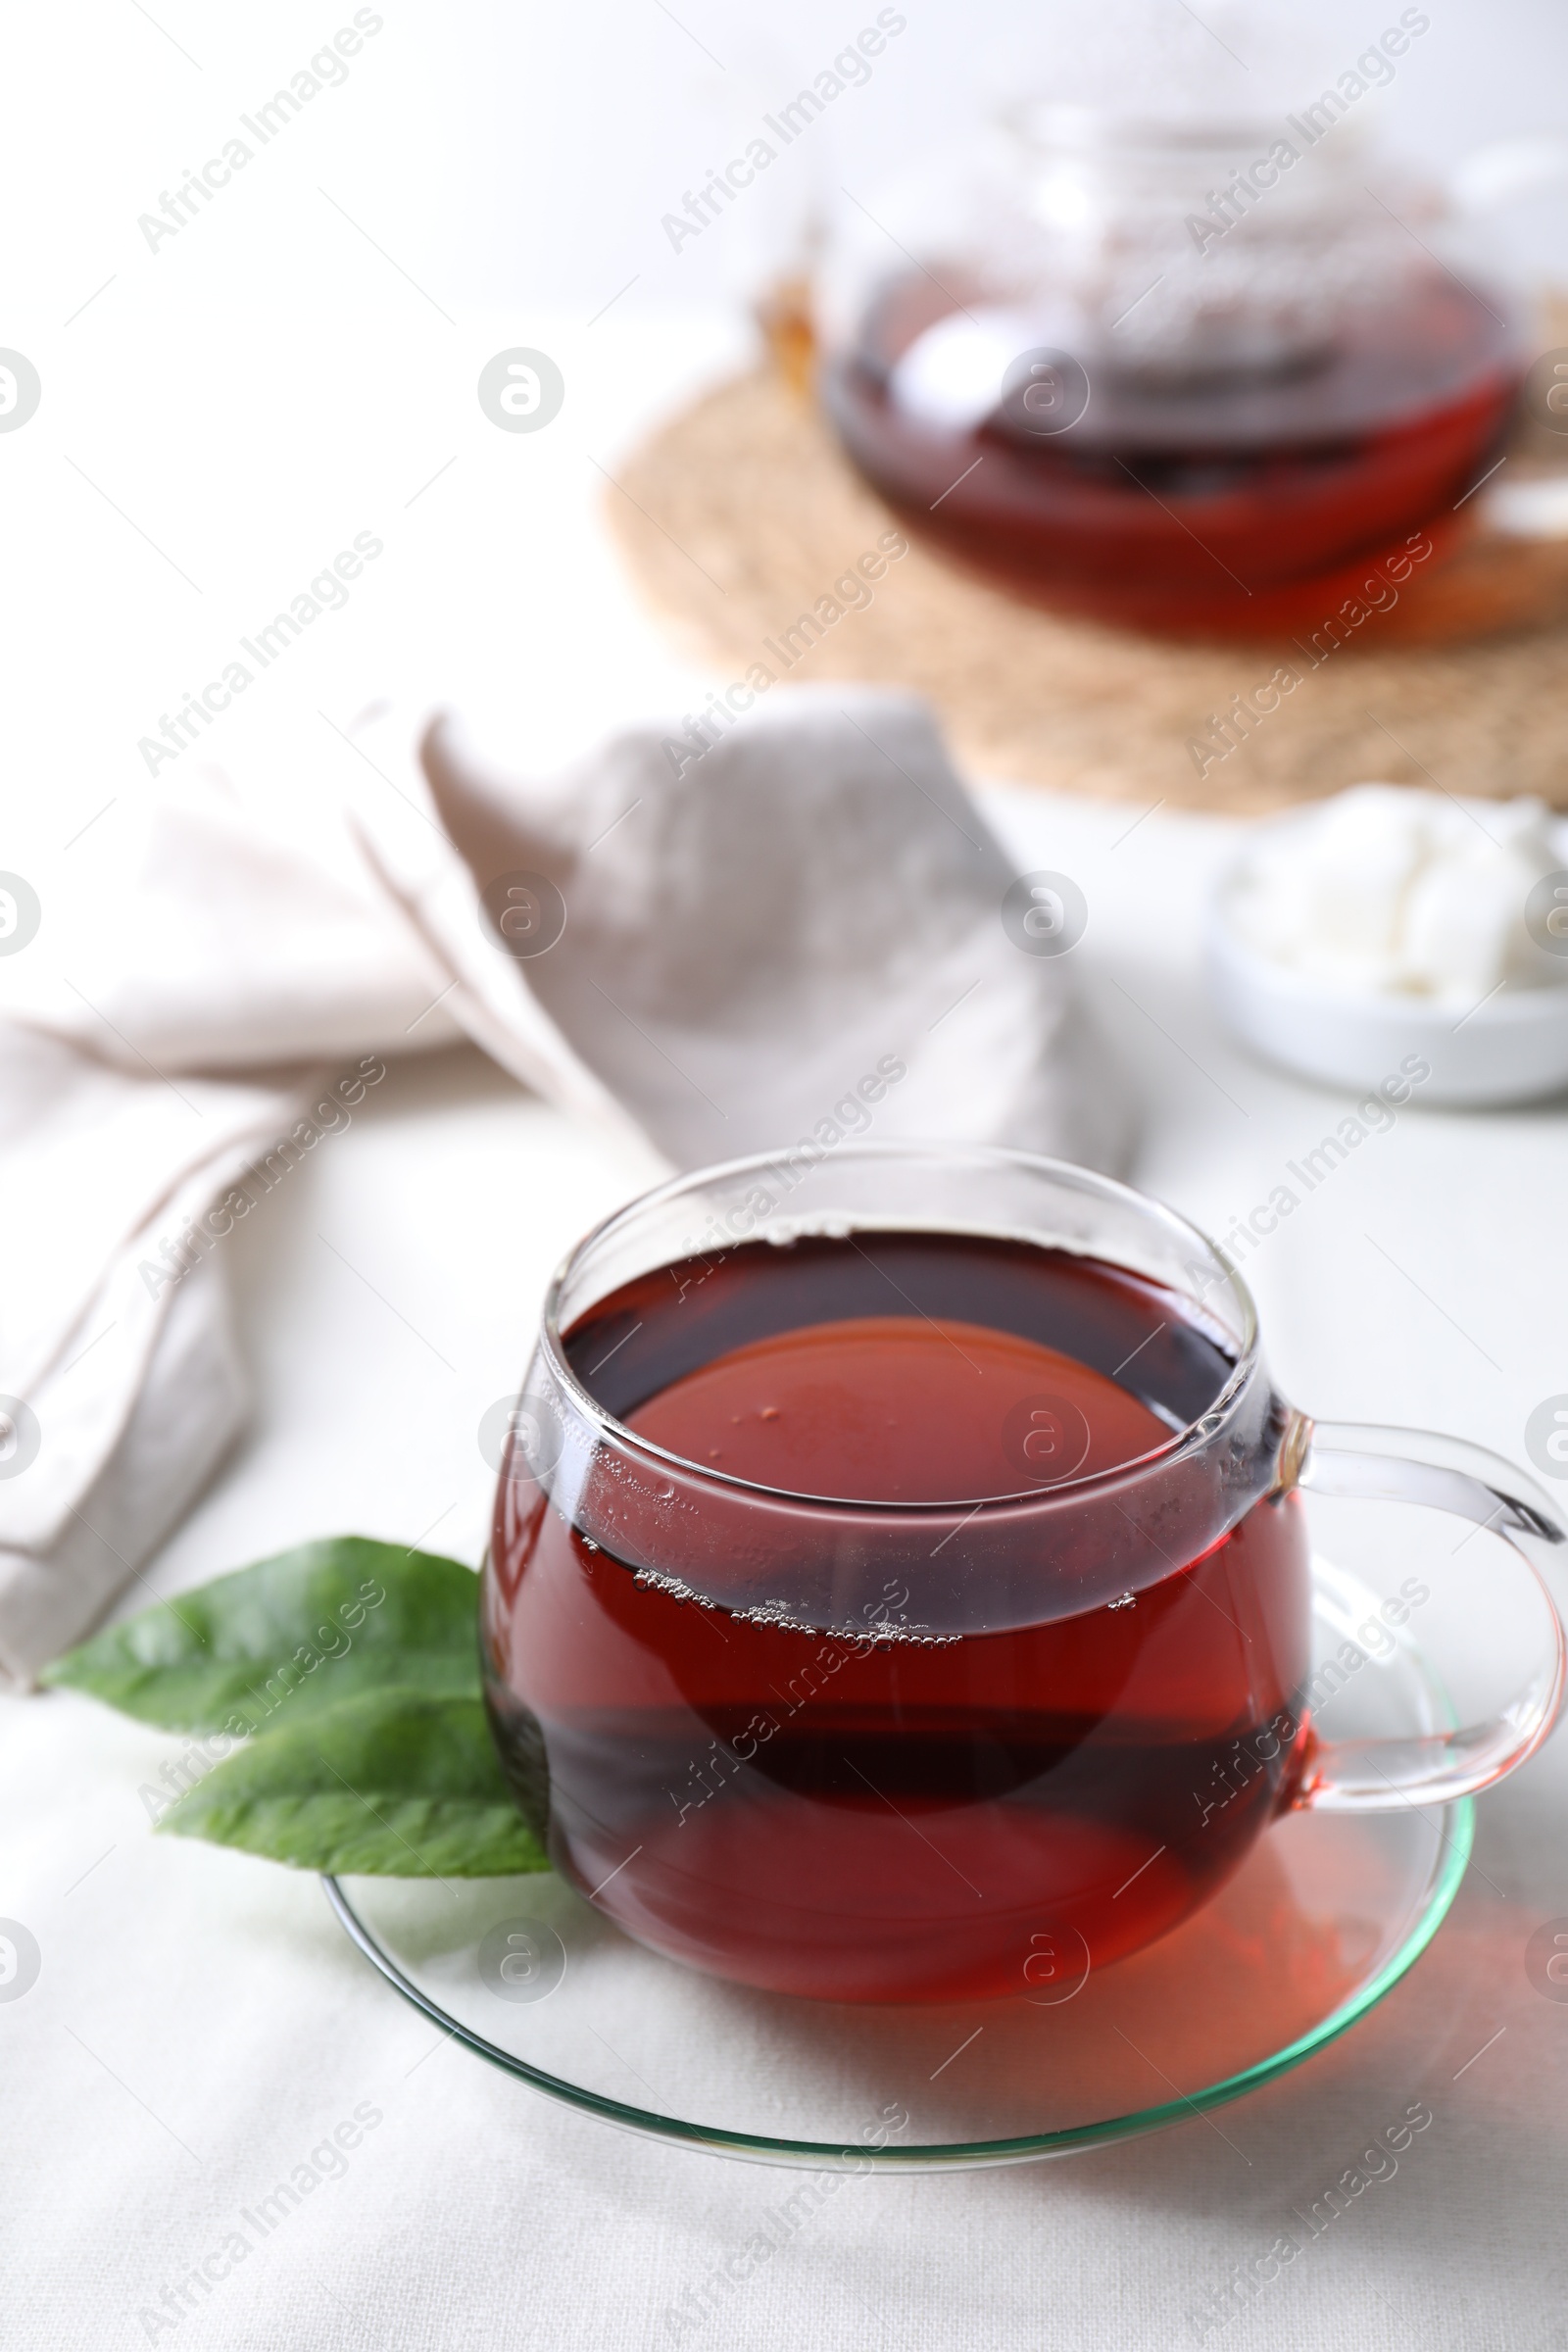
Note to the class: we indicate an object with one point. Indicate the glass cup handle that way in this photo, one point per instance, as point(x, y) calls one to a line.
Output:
point(1410, 1465)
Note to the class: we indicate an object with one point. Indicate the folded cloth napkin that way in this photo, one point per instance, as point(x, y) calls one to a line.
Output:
point(713, 937)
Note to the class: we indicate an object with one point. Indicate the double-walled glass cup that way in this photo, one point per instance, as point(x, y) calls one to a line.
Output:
point(873, 1750)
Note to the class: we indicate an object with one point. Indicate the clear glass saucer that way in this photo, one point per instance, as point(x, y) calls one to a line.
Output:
point(1325, 1915)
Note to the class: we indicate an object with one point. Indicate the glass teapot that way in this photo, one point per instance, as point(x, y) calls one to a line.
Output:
point(1182, 374)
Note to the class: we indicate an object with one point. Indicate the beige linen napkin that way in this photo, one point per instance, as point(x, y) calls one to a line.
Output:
point(711, 936)
point(745, 938)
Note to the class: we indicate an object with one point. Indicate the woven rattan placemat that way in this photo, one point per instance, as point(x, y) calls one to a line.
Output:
point(738, 517)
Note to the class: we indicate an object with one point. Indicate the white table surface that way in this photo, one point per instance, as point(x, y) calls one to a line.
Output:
point(200, 2023)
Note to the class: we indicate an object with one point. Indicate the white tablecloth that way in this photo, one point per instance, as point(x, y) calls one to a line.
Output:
point(200, 2026)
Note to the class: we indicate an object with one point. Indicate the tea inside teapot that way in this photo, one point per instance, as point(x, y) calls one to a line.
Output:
point(1171, 374)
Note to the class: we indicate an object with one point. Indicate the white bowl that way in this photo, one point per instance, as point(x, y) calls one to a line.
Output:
point(1511, 1049)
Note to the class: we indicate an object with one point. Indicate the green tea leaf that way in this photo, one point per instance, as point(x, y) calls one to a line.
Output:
point(394, 1782)
point(282, 1640)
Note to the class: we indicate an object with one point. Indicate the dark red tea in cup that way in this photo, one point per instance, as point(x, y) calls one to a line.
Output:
point(812, 1762)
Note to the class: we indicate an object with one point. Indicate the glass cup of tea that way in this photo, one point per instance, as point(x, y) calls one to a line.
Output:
point(900, 1588)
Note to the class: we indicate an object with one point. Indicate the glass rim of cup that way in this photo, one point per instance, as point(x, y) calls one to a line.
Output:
point(1197, 1435)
